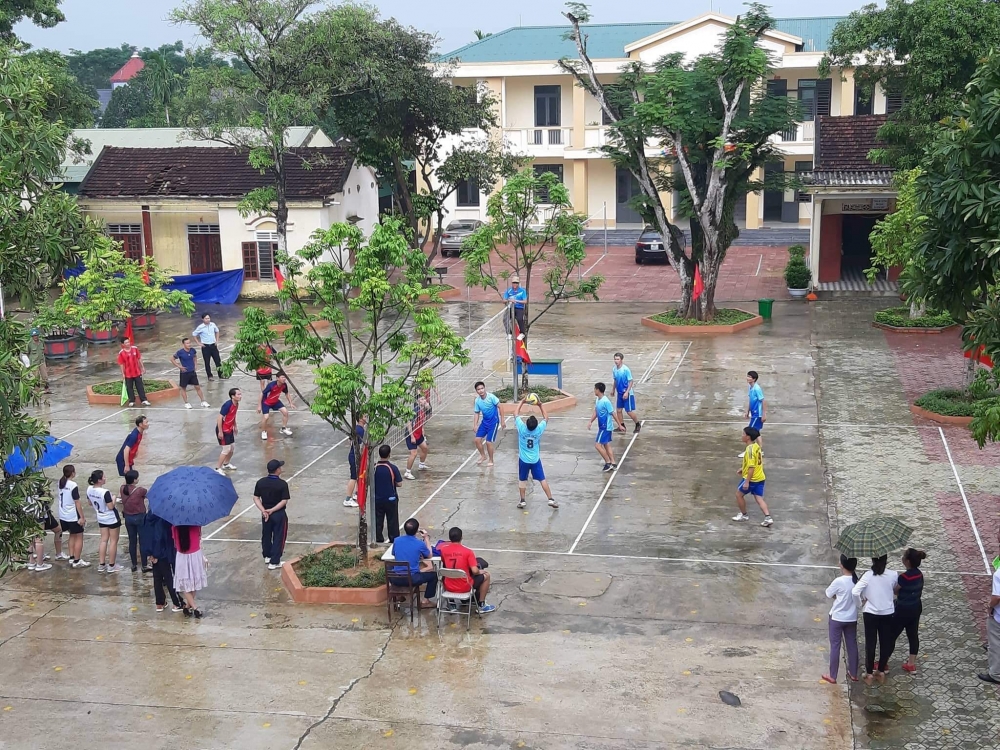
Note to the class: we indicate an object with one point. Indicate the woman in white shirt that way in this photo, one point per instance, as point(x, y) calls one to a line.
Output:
point(876, 589)
point(843, 620)
point(71, 516)
point(108, 520)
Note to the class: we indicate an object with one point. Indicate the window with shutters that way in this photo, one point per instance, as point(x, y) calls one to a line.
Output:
point(815, 96)
point(251, 271)
point(130, 237)
point(203, 229)
point(893, 101)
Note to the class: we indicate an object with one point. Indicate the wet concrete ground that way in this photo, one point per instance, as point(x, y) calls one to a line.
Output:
point(625, 643)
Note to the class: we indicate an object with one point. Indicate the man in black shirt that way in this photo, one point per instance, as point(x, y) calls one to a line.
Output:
point(387, 479)
point(271, 496)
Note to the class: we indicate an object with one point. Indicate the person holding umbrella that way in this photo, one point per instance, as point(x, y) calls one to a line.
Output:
point(156, 538)
point(190, 566)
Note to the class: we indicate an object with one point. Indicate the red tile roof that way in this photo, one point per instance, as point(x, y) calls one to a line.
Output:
point(210, 172)
point(129, 70)
point(844, 142)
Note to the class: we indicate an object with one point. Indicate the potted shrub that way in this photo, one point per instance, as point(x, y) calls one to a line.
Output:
point(59, 328)
point(797, 273)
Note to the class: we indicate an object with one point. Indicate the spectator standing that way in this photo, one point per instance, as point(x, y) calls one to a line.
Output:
point(208, 335)
point(127, 453)
point(190, 568)
point(271, 497)
point(157, 539)
point(843, 624)
point(517, 298)
point(411, 548)
point(185, 359)
point(36, 357)
point(36, 547)
point(876, 589)
point(457, 556)
point(134, 508)
point(70, 512)
point(908, 590)
point(387, 481)
point(992, 673)
point(130, 361)
point(108, 520)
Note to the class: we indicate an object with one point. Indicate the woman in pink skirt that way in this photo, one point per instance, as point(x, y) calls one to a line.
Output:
point(190, 568)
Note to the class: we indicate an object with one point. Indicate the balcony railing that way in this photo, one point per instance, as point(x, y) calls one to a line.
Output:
point(537, 140)
point(802, 132)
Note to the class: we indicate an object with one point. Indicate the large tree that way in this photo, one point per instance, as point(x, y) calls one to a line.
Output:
point(714, 119)
point(923, 50)
point(66, 98)
point(44, 13)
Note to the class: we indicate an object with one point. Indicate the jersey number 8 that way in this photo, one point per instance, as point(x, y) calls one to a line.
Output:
point(530, 443)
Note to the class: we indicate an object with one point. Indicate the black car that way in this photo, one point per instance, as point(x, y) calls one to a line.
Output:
point(649, 248)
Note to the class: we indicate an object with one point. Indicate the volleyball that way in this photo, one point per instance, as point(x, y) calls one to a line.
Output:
point(533, 399)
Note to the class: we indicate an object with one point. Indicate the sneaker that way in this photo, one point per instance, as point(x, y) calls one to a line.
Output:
point(43, 566)
point(81, 564)
point(196, 613)
point(638, 426)
point(553, 503)
point(263, 435)
point(159, 608)
point(175, 608)
point(220, 472)
point(210, 377)
point(522, 504)
point(186, 406)
point(135, 569)
point(285, 431)
point(267, 560)
point(485, 609)
point(423, 466)
point(101, 568)
point(45, 557)
point(607, 468)
point(114, 569)
point(408, 475)
point(767, 521)
point(31, 566)
point(272, 566)
point(741, 517)
point(204, 404)
point(62, 556)
point(228, 467)
point(145, 403)
point(146, 569)
point(614, 467)
point(131, 404)
point(350, 502)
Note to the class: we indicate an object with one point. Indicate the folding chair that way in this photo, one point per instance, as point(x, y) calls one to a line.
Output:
point(446, 597)
point(400, 571)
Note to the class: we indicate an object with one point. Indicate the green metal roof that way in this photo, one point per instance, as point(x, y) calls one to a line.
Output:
point(608, 40)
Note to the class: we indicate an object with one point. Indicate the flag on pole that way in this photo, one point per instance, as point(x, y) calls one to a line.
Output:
point(128, 330)
point(520, 350)
point(279, 277)
point(124, 394)
point(699, 286)
point(363, 478)
point(145, 271)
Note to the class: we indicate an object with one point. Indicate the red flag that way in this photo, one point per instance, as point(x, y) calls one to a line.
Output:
point(520, 350)
point(699, 286)
point(279, 277)
point(363, 478)
point(128, 330)
point(145, 271)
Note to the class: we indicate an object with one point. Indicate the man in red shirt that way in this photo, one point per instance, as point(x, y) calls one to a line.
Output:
point(226, 430)
point(130, 360)
point(457, 556)
point(270, 400)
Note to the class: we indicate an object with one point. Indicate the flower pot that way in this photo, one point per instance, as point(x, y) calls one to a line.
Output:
point(143, 321)
point(102, 337)
point(798, 293)
point(59, 347)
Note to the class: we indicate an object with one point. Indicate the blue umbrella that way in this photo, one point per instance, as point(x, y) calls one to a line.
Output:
point(192, 496)
point(52, 453)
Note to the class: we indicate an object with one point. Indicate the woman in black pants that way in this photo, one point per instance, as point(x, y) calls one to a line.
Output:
point(876, 589)
point(134, 507)
point(908, 605)
point(159, 543)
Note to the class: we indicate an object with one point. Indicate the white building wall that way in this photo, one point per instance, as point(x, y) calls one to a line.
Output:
point(699, 40)
point(359, 199)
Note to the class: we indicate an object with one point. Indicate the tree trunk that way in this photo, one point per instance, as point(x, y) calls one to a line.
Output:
point(403, 187)
point(971, 366)
point(917, 309)
point(281, 221)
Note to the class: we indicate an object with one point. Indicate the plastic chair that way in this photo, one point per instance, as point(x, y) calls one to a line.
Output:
point(445, 597)
point(400, 571)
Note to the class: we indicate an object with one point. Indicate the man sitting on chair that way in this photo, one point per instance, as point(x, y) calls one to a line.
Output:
point(459, 557)
point(411, 548)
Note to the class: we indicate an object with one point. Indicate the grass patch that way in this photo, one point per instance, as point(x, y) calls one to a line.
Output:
point(724, 316)
point(900, 317)
point(114, 387)
point(545, 394)
point(949, 402)
point(340, 567)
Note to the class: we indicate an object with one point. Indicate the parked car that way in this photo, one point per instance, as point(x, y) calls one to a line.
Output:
point(650, 248)
point(455, 234)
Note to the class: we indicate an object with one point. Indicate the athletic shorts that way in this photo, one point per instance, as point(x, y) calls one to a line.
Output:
point(488, 430)
point(354, 466)
point(628, 404)
point(756, 488)
point(227, 438)
point(267, 378)
point(603, 436)
point(414, 444)
point(535, 469)
point(266, 408)
point(50, 523)
point(116, 525)
point(757, 423)
point(189, 378)
point(71, 527)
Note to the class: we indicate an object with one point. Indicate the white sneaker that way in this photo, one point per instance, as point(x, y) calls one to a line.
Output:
point(767, 521)
point(46, 557)
point(114, 568)
point(204, 404)
point(422, 466)
point(145, 403)
point(43, 566)
point(31, 566)
point(267, 560)
point(408, 475)
point(274, 567)
point(187, 405)
point(350, 503)
point(263, 435)
point(220, 472)
point(228, 467)
point(741, 517)
point(81, 564)
point(62, 556)
point(101, 568)
point(285, 431)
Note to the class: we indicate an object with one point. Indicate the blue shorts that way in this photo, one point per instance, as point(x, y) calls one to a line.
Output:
point(414, 444)
point(535, 469)
point(354, 466)
point(267, 409)
point(488, 430)
point(757, 423)
point(628, 404)
point(604, 436)
point(756, 488)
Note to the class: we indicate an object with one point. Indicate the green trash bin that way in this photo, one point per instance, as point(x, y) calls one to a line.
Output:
point(764, 308)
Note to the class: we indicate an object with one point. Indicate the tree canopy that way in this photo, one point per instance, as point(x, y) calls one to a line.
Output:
point(44, 13)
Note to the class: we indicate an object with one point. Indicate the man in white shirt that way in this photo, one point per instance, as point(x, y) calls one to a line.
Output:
point(208, 336)
point(993, 632)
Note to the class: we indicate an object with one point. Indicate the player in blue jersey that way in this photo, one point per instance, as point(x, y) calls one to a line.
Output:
point(606, 418)
point(486, 423)
point(529, 461)
point(756, 408)
point(623, 388)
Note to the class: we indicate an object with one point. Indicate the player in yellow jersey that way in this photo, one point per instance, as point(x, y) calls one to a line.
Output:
point(752, 477)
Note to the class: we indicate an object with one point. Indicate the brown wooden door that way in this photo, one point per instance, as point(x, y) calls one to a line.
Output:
point(205, 251)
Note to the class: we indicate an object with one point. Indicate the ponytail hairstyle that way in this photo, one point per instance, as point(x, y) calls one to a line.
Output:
point(68, 471)
point(184, 538)
point(96, 476)
point(914, 556)
point(878, 565)
point(131, 477)
point(850, 564)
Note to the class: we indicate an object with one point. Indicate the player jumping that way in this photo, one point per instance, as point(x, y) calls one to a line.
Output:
point(624, 388)
point(486, 422)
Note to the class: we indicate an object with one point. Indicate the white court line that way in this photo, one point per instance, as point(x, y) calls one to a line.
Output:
point(97, 421)
point(829, 425)
point(252, 505)
point(759, 262)
point(595, 263)
point(965, 500)
point(605, 492)
point(445, 482)
point(656, 358)
point(679, 363)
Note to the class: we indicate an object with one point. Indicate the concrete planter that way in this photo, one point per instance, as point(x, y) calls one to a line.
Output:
point(568, 401)
point(798, 293)
point(165, 395)
point(319, 325)
point(328, 594)
point(913, 329)
point(711, 330)
point(940, 418)
point(143, 321)
point(109, 336)
point(59, 347)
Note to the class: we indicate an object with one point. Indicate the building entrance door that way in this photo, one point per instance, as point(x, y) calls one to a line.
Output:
point(626, 187)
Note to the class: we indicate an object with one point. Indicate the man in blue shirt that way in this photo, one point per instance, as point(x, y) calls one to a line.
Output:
point(411, 548)
point(756, 408)
point(517, 297)
point(486, 422)
point(529, 434)
point(622, 376)
point(185, 359)
point(606, 417)
point(387, 480)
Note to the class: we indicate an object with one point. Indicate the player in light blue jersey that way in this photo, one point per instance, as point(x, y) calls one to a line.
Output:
point(623, 388)
point(605, 415)
point(485, 423)
point(529, 460)
point(756, 408)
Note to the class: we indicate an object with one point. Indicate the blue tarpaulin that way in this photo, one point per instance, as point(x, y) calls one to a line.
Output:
point(222, 287)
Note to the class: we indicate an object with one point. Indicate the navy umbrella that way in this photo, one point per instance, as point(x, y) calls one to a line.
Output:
point(192, 496)
point(53, 452)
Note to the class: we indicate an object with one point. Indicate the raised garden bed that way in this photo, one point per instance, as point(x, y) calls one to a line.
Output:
point(946, 406)
point(60, 347)
point(727, 320)
point(109, 336)
point(143, 321)
point(898, 319)
point(331, 575)
point(319, 325)
point(553, 398)
point(110, 393)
